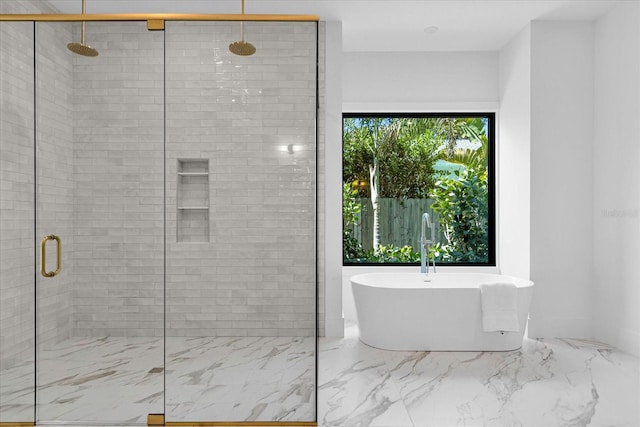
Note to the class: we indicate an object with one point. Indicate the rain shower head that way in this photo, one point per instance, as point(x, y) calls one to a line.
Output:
point(242, 47)
point(82, 48)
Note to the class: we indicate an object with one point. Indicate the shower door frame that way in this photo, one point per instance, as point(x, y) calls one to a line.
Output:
point(156, 22)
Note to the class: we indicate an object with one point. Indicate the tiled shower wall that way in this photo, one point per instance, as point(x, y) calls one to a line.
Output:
point(253, 274)
point(253, 118)
point(119, 141)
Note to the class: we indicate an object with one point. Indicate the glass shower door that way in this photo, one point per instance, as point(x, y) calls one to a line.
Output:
point(99, 224)
point(17, 326)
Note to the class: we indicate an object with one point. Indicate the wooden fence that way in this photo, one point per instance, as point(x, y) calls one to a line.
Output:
point(400, 222)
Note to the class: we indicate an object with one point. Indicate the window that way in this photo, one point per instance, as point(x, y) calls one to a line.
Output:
point(396, 167)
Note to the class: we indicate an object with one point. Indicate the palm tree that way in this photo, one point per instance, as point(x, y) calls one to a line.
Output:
point(454, 129)
point(476, 158)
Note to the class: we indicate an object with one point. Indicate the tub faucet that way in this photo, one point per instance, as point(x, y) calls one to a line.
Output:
point(424, 244)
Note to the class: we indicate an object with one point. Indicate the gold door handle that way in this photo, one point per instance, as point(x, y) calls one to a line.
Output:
point(43, 255)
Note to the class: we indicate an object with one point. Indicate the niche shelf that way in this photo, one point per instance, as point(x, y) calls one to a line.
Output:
point(193, 200)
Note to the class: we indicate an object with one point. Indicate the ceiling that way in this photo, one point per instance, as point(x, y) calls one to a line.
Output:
point(387, 25)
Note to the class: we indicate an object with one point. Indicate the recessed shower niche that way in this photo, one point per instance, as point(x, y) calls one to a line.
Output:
point(193, 200)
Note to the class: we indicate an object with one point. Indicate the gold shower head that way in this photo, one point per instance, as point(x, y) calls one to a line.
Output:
point(242, 48)
point(82, 48)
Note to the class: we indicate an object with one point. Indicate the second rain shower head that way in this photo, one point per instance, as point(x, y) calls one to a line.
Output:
point(82, 48)
point(241, 47)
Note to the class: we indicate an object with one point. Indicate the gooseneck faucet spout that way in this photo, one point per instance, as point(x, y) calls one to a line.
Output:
point(424, 243)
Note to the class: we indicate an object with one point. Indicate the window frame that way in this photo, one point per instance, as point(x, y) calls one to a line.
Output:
point(491, 182)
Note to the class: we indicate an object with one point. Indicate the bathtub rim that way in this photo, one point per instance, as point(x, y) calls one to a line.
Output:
point(357, 279)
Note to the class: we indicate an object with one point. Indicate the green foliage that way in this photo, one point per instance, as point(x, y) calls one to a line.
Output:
point(350, 216)
point(472, 158)
point(462, 202)
point(462, 208)
point(450, 129)
point(406, 170)
point(357, 151)
point(404, 148)
point(393, 254)
point(387, 254)
point(350, 206)
point(352, 249)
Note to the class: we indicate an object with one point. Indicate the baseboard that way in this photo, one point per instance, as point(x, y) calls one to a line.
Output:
point(559, 327)
point(629, 341)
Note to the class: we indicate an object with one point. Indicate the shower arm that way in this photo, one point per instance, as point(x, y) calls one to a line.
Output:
point(241, 22)
point(84, 23)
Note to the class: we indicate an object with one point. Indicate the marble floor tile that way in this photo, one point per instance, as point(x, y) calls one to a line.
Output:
point(546, 383)
point(121, 380)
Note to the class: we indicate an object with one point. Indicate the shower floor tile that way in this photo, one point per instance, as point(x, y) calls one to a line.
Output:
point(248, 379)
point(121, 380)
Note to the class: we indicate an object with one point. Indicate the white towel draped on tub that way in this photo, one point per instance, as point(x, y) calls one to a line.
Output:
point(499, 307)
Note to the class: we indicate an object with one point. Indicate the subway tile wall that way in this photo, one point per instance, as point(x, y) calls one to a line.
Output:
point(254, 119)
point(119, 171)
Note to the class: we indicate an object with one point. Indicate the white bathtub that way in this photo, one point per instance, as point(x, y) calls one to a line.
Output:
point(400, 311)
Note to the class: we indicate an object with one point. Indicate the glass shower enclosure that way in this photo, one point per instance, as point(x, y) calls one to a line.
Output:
point(158, 222)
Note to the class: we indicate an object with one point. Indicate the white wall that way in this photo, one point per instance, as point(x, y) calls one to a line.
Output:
point(332, 302)
point(584, 87)
point(616, 232)
point(514, 130)
point(419, 81)
point(561, 178)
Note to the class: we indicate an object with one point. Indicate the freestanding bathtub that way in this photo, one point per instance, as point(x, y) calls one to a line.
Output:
point(402, 311)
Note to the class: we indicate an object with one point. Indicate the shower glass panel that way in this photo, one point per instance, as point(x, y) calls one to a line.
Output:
point(165, 166)
point(241, 222)
point(100, 198)
point(17, 296)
